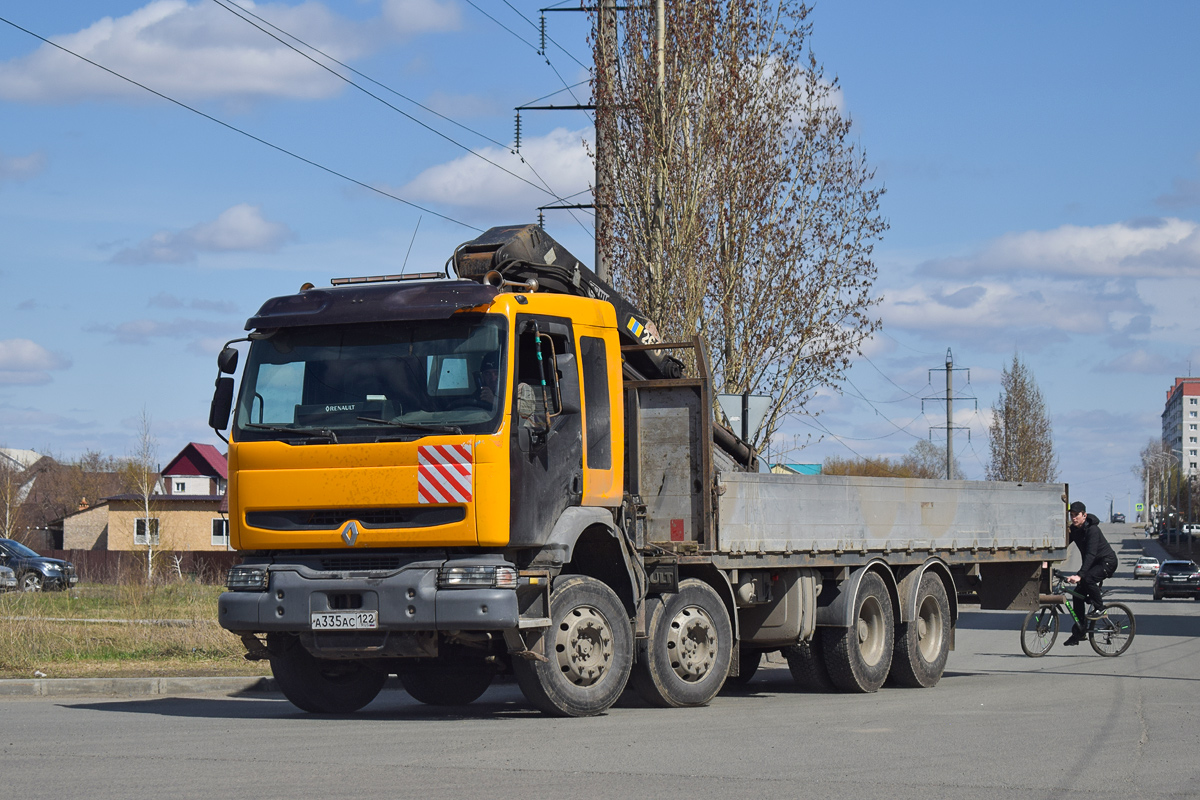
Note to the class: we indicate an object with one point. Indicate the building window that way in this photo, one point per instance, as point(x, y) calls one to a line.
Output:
point(220, 533)
point(179, 486)
point(139, 530)
point(1191, 452)
point(1193, 465)
point(1191, 427)
point(1191, 401)
point(1192, 414)
point(1191, 440)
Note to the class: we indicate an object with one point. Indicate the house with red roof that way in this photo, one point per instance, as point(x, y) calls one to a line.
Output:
point(188, 511)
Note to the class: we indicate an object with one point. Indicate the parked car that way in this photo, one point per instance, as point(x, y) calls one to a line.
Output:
point(1118, 519)
point(1146, 567)
point(1177, 579)
point(8, 580)
point(36, 572)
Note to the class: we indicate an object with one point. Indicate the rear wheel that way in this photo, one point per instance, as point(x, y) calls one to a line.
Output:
point(923, 645)
point(1039, 631)
point(447, 682)
point(589, 649)
point(860, 657)
point(685, 657)
point(318, 685)
point(806, 662)
point(1112, 634)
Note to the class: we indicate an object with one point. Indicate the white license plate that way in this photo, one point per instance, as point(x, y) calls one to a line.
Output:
point(345, 620)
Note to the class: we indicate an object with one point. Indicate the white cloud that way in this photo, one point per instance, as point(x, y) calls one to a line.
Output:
point(25, 362)
point(413, 17)
point(240, 228)
point(201, 50)
point(143, 331)
point(19, 168)
point(560, 157)
point(1154, 248)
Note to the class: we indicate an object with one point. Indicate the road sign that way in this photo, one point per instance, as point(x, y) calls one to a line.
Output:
point(1138, 507)
point(758, 406)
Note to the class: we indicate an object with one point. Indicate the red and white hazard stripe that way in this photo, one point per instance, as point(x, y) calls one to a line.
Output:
point(444, 473)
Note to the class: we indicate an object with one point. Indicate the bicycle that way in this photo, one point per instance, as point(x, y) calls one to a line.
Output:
point(1110, 635)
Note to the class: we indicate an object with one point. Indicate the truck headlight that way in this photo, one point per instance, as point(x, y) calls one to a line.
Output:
point(482, 577)
point(245, 578)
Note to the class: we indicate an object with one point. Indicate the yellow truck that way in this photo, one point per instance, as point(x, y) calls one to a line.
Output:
point(447, 478)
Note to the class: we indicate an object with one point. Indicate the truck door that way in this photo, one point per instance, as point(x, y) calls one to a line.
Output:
point(547, 471)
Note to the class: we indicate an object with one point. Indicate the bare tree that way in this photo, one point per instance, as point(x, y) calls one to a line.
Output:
point(924, 460)
point(142, 476)
point(12, 495)
point(733, 203)
point(1020, 436)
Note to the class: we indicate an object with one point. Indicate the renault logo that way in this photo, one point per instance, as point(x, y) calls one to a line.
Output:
point(350, 534)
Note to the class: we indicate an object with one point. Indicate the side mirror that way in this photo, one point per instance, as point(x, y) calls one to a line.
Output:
point(222, 402)
point(227, 361)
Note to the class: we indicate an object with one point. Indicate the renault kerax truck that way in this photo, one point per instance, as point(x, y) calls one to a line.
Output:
point(501, 469)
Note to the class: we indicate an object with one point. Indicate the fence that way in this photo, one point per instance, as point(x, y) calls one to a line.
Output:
point(117, 566)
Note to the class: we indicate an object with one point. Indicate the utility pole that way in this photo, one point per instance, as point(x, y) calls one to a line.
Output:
point(606, 37)
point(660, 177)
point(949, 400)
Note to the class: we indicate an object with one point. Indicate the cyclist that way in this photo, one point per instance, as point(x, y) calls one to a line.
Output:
point(1099, 562)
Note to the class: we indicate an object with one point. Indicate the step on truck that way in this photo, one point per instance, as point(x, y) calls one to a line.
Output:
point(506, 471)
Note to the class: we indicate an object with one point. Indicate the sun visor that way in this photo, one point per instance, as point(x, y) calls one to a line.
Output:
point(379, 302)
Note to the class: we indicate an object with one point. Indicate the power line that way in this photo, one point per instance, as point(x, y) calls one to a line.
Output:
point(855, 452)
point(344, 65)
point(907, 393)
point(543, 188)
point(880, 413)
point(548, 38)
point(236, 129)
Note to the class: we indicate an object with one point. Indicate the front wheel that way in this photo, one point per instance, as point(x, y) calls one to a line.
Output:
point(319, 685)
point(1112, 634)
point(589, 651)
point(447, 682)
point(685, 657)
point(1039, 631)
point(32, 582)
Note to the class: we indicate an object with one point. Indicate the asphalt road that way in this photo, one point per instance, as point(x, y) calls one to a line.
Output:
point(999, 725)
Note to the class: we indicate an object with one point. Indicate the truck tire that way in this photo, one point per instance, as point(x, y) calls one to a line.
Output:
point(859, 657)
point(806, 662)
point(317, 685)
point(589, 651)
point(685, 657)
point(748, 661)
point(446, 682)
point(923, 644)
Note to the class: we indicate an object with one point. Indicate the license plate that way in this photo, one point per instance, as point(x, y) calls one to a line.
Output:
point(345, 620)
point(74, 579)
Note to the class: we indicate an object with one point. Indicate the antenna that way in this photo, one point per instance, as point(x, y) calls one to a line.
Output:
point(410, 244)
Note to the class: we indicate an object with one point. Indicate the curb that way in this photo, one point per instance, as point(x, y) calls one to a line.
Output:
point(131, 687)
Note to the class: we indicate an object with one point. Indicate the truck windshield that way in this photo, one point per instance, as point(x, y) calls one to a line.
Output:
point(391, 380)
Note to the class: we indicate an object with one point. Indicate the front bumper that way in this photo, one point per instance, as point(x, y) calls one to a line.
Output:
point(406, 600)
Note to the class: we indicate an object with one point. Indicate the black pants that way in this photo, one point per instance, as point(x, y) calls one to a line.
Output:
point(1090, 583)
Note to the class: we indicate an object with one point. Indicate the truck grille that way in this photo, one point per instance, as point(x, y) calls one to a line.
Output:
point(333, 519)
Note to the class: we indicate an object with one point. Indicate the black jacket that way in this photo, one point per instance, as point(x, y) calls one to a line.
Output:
point(1093, 547)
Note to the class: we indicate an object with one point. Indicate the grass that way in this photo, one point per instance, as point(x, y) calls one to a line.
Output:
point(130, 630)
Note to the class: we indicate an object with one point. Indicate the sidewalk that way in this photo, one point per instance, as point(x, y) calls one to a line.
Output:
point(131, 687)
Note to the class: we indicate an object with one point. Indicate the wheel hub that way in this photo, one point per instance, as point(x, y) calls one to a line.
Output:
point(692, 644)
point(584, 646)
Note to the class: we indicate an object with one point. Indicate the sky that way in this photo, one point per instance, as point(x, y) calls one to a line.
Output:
point(1041, 165)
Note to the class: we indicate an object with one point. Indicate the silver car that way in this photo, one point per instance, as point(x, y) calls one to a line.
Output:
point(1146, 567)
point(8, 580)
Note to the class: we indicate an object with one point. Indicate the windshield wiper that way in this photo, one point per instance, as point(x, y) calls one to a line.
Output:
point(415, 426)
point(312, 433)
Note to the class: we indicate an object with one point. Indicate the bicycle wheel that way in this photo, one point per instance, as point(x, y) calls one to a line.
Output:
point(1039, 631)
point(1112, 634)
